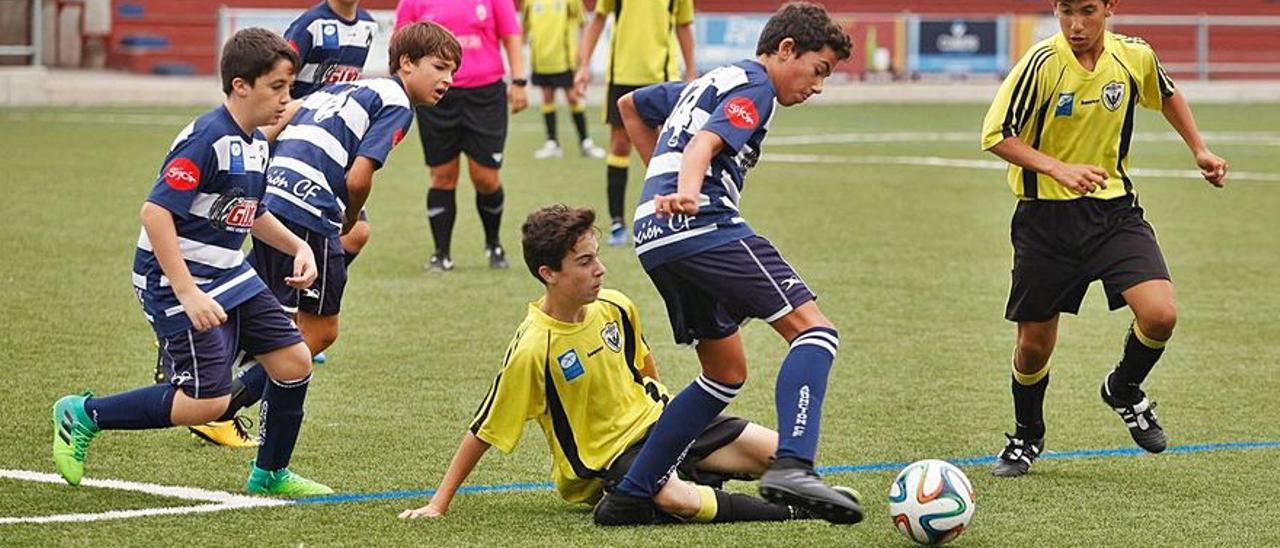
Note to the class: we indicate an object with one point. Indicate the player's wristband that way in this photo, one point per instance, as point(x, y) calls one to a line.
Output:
point(519, 82)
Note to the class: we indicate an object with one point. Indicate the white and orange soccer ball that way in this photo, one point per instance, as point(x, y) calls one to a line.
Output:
point(931, 502)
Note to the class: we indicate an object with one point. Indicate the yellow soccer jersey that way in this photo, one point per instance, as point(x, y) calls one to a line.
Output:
point(552, 27)
point(644, 49)
point(582, 383)
point(1077, 116)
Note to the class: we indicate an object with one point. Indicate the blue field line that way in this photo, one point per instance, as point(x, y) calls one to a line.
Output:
point(837, 469)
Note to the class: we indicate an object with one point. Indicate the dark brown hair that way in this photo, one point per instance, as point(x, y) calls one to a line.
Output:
point(809, 25)
point(418, 40)
point(252, 52)
point(551, 232)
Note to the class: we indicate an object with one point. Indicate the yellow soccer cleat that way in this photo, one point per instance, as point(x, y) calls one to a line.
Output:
point(229, 433)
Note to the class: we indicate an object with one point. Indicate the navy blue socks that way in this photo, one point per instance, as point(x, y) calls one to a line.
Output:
point(801, 386)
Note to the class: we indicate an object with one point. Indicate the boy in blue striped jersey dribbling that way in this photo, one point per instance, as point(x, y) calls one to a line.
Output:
point(714, 272)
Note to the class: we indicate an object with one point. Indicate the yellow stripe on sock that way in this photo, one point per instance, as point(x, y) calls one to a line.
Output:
point(707, 510)
point(548, 108)
point(1028, 380)
point(618, 161)
point(1145, 340)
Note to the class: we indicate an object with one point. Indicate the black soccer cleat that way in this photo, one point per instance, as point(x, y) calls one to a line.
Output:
point(1017, 456)
point(792, 482)
point(497, 257)
point(439, 262)
point(1139, 414)
point(622, 509)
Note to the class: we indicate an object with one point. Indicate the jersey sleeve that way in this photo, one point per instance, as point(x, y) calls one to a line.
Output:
point(388, 127)
point(185, 169)
point(740, 113)
point(684, 12)
point(1156, 84)
point(505, 18)
point(576, 12)
point(518, 394)
point(637, 334)
point(1012, 109)
point(655, 103)
point(605, 7)
point(299, 38)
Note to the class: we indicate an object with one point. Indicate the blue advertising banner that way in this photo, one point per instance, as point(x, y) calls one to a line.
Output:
point(723, 38)
point(957, 45)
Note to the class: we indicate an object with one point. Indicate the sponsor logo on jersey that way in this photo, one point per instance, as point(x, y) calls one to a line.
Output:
point(335, 73)
point(612, 336)
point(233, 211)
point(1066, 104)
point(182, 174)
point(570, 365)
point(395, 138)
point(1112, 95)
point(742, 113)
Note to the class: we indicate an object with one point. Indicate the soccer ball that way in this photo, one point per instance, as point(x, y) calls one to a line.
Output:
point(931, 502)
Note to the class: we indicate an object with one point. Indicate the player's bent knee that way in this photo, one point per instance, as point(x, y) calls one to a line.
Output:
point(1158, 324)
point(288, 363)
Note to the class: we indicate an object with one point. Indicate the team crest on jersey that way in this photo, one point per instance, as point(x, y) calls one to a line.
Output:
point(329, 36)
point(570, 365)
point(182, 174)
point(612, 336)
point(233, 211)
point(236, 166)
point(1112, 95)
point(1066, 102)
point(481, 12)
point(742, 113)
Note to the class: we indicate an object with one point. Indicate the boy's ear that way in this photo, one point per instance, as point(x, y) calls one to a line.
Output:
point(240, 86)
point(786, 48)
point(405, 62)
point(546, 274)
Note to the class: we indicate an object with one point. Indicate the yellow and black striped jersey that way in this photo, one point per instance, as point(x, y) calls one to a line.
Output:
point(552, 27)
point(644, 50)
point(582, 383)
point(1075, 115)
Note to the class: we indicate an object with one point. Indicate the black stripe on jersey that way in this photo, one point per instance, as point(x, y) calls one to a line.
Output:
point(1030, 181)
point(1166, 83)
point(629, 350)
point(1028, 74)
point(1126, 135)
point(560, 424)
point(1029, 100)
point(613, 47)
point(671, 27)
point(486, 405)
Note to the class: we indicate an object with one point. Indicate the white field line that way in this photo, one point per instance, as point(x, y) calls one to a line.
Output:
point(220, 500)
point(106, 118)
point(1260, 138)
point(994, 165)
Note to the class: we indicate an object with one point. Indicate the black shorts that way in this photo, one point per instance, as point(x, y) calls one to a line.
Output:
point(200, 362)
point(615, 92)
point(1059, 248)
point(722, 431)
point(324, 297)
point(562, 80)
point(709, 294)
point(466, 120)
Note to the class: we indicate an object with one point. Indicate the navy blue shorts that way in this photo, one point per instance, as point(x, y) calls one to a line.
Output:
point(200, 362)
point(711, 293)
point(324, 297)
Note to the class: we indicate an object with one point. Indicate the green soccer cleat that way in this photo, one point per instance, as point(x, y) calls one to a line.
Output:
point(73, 430)
point(283, 483)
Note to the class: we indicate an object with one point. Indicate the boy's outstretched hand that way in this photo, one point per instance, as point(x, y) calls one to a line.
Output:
point(427, 511)
point(668, 205)
point(304, 269)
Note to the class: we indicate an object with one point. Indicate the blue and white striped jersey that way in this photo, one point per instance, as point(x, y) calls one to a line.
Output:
point(332, 49)
point(212, 181)
point(307, 178)
point(735, 102)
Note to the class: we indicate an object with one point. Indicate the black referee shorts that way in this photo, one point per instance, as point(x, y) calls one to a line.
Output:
point(722, 431)
point(470, 120)
point(1060, 247)
point(562, 80)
